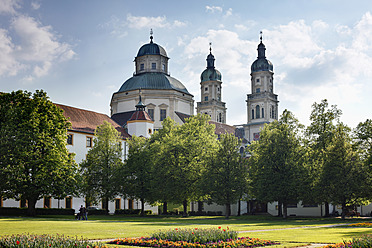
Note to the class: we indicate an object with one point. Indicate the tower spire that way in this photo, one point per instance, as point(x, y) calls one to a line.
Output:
point(140, 106)
point(151, 37)
point(261, 36)
point(210, 58)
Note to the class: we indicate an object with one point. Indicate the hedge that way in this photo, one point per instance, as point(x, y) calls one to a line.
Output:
point(7, 211)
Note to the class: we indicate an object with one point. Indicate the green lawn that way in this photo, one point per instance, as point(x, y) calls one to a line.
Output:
point(263, 227)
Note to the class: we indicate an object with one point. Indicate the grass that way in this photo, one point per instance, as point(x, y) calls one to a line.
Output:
point(263, 227)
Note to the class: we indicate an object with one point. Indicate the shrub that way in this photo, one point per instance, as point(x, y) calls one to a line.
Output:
point(39, 211)
point(28, 240)
point(97, 212)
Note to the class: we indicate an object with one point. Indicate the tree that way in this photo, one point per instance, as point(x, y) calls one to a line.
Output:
point(101, 168)
point(363, 137)
point(320, 134)
point(347, 176)
point(275, 167)
point(138, 172)
point(182, 154)
point(226, 175)
point(34, 160)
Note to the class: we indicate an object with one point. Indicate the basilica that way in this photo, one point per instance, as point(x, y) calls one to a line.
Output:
point(165, 96)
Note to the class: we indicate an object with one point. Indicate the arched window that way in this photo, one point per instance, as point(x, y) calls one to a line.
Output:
point(272, 112)
point(262, 113)
point(252, 114)
point(257, 112)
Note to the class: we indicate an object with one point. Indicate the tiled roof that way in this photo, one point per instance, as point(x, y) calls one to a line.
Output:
point(182, 116)
point(122, 117)
point(140, 115)
point(87, 121)
point(222, 128)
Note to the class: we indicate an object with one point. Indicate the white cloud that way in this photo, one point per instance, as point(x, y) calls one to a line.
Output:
point(213, 9)
point(8, 63)
point(37, 47)
point(35, 5)
point(139, 22)
point(228, 12)
point(9, 6)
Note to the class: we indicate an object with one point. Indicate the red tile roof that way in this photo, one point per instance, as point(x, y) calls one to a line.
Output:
point(221, 128)
point(87, 121)
point(140, 115)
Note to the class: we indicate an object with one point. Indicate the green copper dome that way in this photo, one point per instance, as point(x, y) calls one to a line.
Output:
point(261, 63)
point(151, 49)
point(210, 74)
point(154, 81)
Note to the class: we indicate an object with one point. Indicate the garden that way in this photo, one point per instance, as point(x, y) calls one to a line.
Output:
point(173, 231)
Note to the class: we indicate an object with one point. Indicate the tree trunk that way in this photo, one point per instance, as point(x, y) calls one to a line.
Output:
point(228, 210)
point(280, 213)
point(285, 212)
point(31, 210)
point(239, 207)
point(326, 210)
point(105, 204)
point(343, 214)
point(165, 207)
point(184, 214)
point(200, 206)
point(142, 207)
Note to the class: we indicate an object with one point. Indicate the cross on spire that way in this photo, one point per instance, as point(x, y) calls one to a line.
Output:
point(210, 47)
point(261, 36)
point(151, 33)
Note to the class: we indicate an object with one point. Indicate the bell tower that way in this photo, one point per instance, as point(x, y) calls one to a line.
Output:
point(211, 92)
point(262, 103)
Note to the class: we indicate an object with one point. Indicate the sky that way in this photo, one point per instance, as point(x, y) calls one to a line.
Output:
point(81, 52)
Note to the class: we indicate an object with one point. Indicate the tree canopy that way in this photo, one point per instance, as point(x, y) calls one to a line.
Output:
point(101, 168)
point(34, 160)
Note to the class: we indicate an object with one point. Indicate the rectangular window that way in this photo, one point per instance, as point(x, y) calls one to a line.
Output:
point(68, 202)
point(163, 67)
point(117, 204)
point(258, 90)
point(47, 202)
point(142, 67)
point(130, 204)
point(257, 80)
point(151, 113)
point(310, 205)
point(206, 98)
point(69, 139)
point(153, 66)
point(89, 141)
point(206, 88)
point(23, 203)
point(163, 114)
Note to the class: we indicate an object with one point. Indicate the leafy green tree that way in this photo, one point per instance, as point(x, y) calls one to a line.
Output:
point(34, 160)
point(138, 171)
point(182, 153)
point(347, 176)
point(101, 168)
point(319, 133)
point(363, 137)
point(226, 175)
point(275, 167)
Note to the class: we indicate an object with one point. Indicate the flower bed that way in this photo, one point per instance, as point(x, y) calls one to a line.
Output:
point(29, 240)
point(151, 242)
point(194, 237)
point(364, 224)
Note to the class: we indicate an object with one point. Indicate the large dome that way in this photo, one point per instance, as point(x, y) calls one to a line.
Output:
point(153, 81)
point(210, 74)
point(151, 49)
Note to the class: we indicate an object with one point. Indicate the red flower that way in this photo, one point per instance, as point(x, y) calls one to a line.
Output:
point(196, 228)
point(192, 233)
point(224, 230)
point(176, 229)
point(17, 242)
point(219, 227)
